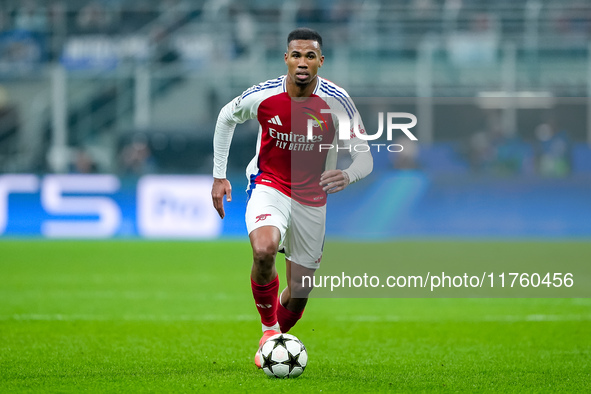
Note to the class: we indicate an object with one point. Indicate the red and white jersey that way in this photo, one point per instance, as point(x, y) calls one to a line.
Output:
point(285, 158)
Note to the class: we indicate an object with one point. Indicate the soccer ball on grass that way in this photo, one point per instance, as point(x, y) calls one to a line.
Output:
point(284, 356)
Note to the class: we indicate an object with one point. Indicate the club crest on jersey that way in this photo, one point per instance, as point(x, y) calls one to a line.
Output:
point(315, 122)
point(262, 217)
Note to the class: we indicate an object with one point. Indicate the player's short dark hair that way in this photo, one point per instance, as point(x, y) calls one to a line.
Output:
point(304, 33)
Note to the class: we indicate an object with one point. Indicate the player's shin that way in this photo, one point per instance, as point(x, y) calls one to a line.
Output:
point(286, 318)
point(265, 298)
point(291, 307)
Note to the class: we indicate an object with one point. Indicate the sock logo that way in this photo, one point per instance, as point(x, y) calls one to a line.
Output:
point(262, 217)
point(264, 306)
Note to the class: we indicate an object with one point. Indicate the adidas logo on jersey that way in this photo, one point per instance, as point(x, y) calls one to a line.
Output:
point(275, 120)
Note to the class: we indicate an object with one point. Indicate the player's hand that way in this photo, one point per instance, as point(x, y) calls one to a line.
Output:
point(333, 181)
point(220, 188)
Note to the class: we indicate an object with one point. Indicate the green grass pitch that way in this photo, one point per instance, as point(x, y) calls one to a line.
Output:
point(137, 316)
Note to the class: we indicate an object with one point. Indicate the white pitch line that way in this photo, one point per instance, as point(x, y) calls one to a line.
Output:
point(253, 317)
point(131, 295)
point(155, 318)
point(490, 318)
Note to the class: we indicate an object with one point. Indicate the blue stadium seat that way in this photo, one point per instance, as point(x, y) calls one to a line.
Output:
point(442, 158)
point(581, 158)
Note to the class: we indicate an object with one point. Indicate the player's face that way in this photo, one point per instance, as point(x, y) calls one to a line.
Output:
point(303, 58)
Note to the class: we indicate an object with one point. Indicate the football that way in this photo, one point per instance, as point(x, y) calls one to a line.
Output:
point(284, 356)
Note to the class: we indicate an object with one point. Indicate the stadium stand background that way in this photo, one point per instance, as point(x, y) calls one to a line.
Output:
point(133, 87)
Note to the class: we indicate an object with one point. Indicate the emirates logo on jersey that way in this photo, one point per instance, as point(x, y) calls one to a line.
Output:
point(287, 139)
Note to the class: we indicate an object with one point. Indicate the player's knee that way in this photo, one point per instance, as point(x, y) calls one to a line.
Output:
point(264, 254)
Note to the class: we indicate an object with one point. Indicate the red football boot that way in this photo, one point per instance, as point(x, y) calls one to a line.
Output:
point(266, 335)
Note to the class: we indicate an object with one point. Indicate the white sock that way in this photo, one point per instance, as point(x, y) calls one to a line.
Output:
point(281, 295)
point(274, 327)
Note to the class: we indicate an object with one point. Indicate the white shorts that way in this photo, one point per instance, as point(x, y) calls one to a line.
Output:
point(302, 227)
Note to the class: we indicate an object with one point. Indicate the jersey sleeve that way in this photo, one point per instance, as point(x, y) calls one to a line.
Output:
point(362, 164)
point(362, 160)
point(237, 111)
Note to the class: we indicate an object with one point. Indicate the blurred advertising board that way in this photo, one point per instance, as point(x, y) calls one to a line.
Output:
point(386, 205)
point(105, 206)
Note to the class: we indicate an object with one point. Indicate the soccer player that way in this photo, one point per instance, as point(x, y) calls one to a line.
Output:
point(290, 175)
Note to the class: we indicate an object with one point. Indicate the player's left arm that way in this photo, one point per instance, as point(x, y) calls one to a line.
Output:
point(335, 180)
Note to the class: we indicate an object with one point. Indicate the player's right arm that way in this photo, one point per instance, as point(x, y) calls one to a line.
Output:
point(236, 111)
point(221, 187)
